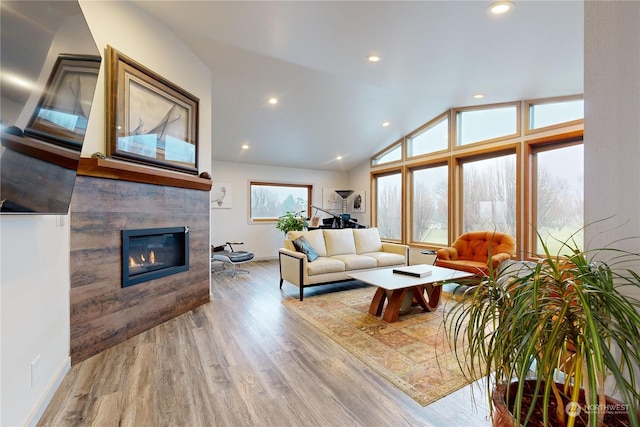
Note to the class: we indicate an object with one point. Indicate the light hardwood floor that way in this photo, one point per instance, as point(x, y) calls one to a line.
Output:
point(243, 360)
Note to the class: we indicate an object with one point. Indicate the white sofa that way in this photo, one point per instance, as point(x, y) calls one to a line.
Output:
point(339, 251)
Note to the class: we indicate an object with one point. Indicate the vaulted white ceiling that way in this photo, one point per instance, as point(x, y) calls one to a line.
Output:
point(311, 55)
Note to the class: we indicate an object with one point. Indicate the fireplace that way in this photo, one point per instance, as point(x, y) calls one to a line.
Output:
point(152, 253)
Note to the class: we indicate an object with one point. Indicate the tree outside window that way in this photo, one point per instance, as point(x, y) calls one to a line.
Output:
point(389, 206)
point(269, 201)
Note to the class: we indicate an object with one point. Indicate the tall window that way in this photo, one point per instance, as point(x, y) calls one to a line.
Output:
point(559, 194)
point(271, 200)
point(489, 194)
point(430, 205)
point(389, 205)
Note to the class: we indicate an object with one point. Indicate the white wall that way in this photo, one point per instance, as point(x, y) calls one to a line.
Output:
point(612, 129)
point(34, 309)
point(34, 275)
point(233, 224)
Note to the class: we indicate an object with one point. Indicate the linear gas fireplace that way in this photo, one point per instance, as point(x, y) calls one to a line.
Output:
point(152, 253)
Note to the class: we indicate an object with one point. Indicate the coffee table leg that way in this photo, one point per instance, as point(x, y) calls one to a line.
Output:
point(433, 292)
point(392, 311)
point(375, 309)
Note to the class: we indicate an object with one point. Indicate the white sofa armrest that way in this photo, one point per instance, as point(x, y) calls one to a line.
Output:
point(293, 267)
point(397, 248)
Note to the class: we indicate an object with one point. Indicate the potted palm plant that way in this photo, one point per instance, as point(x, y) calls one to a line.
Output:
point(292, 221)
point(548, 335)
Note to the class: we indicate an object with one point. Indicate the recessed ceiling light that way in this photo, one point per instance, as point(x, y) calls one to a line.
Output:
point(245, 146)
point(374, 58)
point(386, 124)
point(501, 7)
point(339, 158)
point(273, 100)
point(478, 96)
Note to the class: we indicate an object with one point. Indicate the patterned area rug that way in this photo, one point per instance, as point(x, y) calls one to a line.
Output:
point(411, 353)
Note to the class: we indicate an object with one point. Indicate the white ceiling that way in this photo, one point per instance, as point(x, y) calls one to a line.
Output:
point(312, 56)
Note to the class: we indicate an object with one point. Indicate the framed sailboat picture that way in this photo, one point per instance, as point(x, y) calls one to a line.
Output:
point(149, 119)
point(62, 113)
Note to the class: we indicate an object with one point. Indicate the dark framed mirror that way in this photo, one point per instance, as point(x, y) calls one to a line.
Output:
point(49, 67)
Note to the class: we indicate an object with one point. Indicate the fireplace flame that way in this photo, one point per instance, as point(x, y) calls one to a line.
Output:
point(142, 260)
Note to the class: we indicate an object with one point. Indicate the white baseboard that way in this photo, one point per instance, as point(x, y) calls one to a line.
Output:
point(37, 412)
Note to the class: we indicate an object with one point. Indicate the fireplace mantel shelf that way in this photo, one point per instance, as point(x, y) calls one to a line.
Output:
point(113, 169)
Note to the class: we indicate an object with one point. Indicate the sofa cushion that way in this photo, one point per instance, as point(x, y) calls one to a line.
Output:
point(339, 242)
point(367, 240)
point(325, 265)
point(303, 246)
point(386, 259)
point(356, 262)
point(314, 237)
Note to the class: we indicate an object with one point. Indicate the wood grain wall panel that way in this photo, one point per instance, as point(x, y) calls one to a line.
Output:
point(103, 313)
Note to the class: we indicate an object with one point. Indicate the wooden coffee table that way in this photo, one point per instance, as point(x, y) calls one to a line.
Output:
point(399, 284)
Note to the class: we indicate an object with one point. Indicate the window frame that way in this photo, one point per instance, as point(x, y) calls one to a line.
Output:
point(528, 104)
point(533, 146)
point(263, 220)
point(401, 170)
point(455, 155)
point(398, 144)
point(447, 162)
point(430, 124)
point(453, 134)
point(459, 160)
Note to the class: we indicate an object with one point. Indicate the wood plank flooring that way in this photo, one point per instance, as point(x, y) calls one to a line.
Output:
point(243, 360)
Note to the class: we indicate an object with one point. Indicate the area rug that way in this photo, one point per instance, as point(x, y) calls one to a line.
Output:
point(412, 353)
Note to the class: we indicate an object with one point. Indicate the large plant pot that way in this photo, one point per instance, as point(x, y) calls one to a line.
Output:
point(502, 416)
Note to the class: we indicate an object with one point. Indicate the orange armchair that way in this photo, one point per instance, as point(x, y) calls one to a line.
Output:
point(470, 252)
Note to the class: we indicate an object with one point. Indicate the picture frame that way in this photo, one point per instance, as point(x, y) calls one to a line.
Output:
point(315, 221)
point(331, 200)
point(62, 113)
point(358, 201)
point(149, 119)
point(221, 195)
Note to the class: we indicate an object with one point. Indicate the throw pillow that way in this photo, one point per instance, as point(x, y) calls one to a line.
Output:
point(303, 246)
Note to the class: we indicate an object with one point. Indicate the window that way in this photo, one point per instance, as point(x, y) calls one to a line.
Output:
point(389, 205)
point(486, 124)
point(270, 200)
point(463, 171)
point(392, 154)
point(489, 194)
point(547, 114)
point(432, 138)
point(430, 205)
point(559, 194)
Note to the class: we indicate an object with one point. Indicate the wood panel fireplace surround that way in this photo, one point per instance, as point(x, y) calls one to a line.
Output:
point(111, 201)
